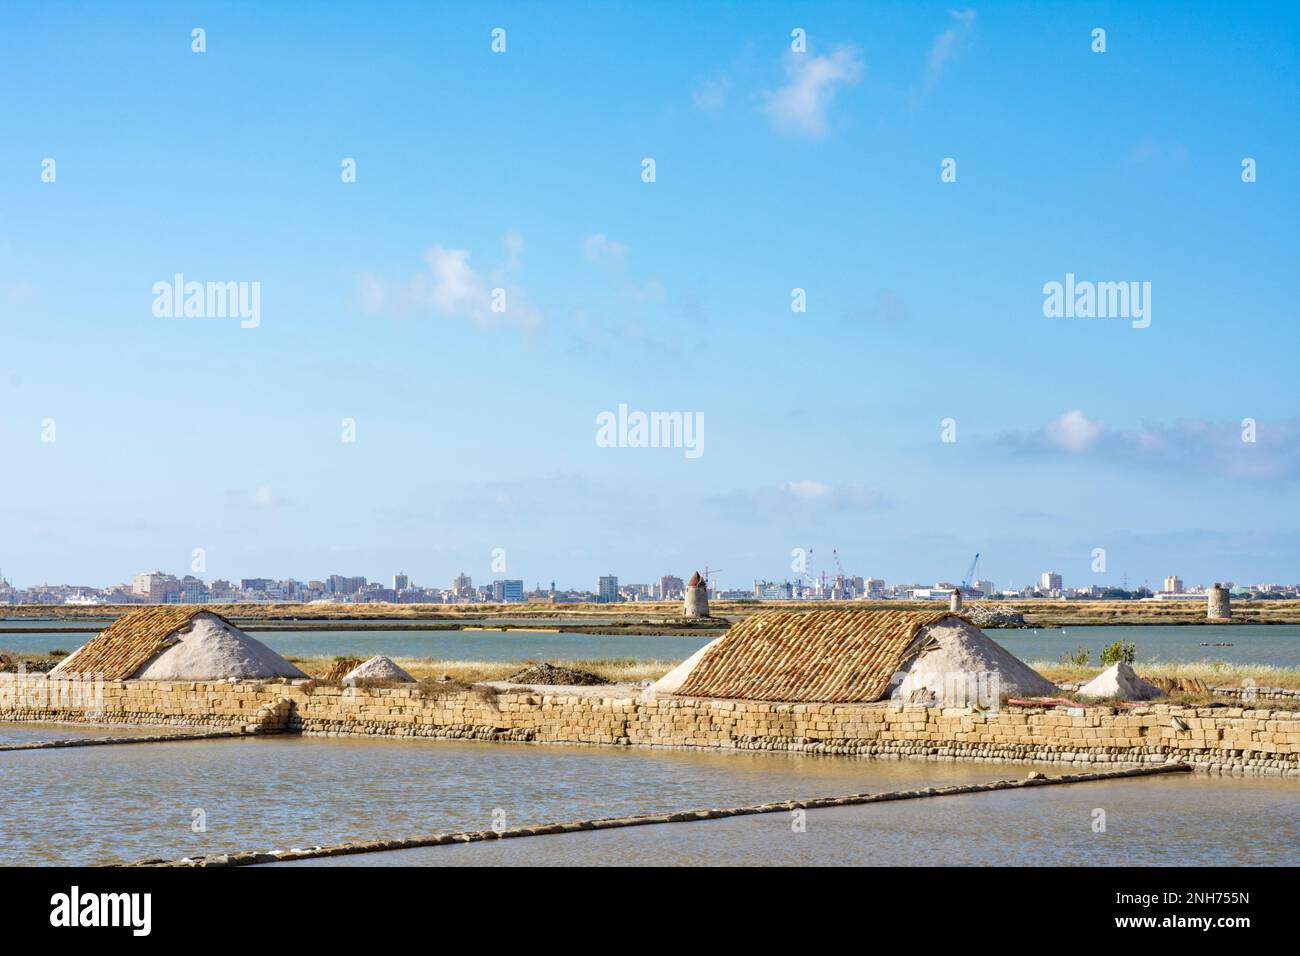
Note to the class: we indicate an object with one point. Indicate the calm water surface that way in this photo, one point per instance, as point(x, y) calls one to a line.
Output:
point(1277, 644)
point(1159, 821)
point(24, 732)
point(124, 803)
point(441, 645)
point(119, 804)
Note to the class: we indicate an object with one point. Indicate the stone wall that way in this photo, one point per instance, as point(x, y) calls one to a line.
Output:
point(1217, 739)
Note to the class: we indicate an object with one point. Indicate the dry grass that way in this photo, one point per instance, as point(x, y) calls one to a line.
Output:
point(625, 671)
point(1213, 673)
point(1038, 613)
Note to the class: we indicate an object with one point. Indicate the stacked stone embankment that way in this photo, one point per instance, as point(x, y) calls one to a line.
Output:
point(1219, 739)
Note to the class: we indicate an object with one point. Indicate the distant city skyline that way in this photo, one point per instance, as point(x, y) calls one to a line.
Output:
point(513, 587)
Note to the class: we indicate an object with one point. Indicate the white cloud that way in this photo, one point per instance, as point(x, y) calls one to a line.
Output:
point(1186, 448)
point(710, 95)
point(800, 107)
point(1148, 150)
point(1074, 432)
point(945, 44)
point(453, 288)
point(600, 248)
point(372, 293)
point(514, 244)
point(807, 489)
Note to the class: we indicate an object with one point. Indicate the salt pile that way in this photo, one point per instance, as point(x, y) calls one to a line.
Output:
point(959, 665)
point(209, 648)
point(674, 679)
point(1121, 681)
point(378, 667)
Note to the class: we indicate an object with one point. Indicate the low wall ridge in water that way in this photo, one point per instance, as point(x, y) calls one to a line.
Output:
point(1217, 739)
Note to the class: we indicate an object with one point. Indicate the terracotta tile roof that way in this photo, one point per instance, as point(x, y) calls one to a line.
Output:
point(126, 645)
point(810, 656)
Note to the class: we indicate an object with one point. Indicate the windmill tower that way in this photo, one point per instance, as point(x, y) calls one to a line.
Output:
point(697, 596)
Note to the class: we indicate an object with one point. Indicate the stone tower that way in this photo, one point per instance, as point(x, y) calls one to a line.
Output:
point(1220, 604)
point(954, 601)
point(697, 596)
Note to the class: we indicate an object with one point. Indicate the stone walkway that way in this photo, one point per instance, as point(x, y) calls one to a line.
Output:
point(105, 741)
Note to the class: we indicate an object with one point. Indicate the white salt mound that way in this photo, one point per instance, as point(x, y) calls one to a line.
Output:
point(1121, 681)
point(211, 649)
point(676, 677)
point(378, 667)
point(957, 665)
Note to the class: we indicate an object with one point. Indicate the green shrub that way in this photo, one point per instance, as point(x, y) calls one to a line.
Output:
point(1119, 651)
point(1079, 657)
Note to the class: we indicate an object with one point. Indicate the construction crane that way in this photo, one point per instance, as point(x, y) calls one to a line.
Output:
point(708, 573)
point(970, 573)
point(838, 565)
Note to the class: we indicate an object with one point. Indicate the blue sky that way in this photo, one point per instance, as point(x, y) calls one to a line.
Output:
point(774, 170)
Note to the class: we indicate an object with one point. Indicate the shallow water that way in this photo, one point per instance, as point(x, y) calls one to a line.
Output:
point(1276, 644)
point(124, 803)
point(24, 732)
point(1156, 821)
point(441, 645)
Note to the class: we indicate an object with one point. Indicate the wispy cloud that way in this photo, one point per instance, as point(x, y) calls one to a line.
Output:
point(1150, 151)
point(452, 288)
point(800, 500)
point(808, 489)
point(1073, 432)
point(846, 495)
point(710, 93)
point(801, 107)
point(1194, 447)
point(887, 310)
point(945, 45)
point(600, 248)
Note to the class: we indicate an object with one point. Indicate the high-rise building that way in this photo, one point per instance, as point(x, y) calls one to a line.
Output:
point(607, 589)
point(154, 586)
point(400, 581)
point(462, 586)
point(1174, 584)
point(1051, 581)
point(671, 588)
point(342, 586)
point(507, 591)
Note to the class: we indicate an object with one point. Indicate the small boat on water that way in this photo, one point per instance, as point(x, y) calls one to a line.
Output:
point(1216, 644)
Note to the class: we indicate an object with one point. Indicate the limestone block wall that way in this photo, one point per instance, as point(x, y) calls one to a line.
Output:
point(1217, 739)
